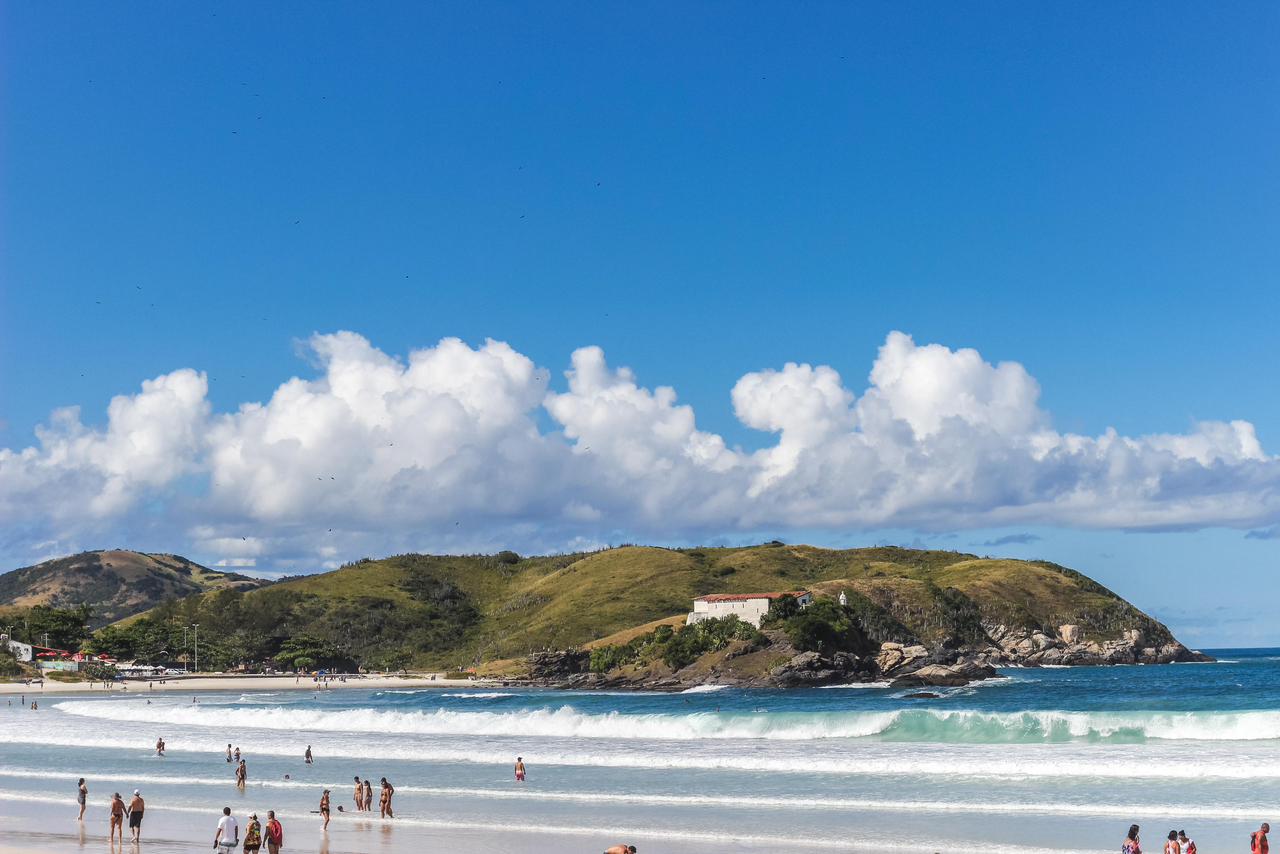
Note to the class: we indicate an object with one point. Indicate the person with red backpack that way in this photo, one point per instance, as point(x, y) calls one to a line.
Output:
point(1258, 840)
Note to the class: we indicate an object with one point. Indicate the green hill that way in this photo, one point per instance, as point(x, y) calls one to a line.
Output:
point(114, 584)
point(447, 611)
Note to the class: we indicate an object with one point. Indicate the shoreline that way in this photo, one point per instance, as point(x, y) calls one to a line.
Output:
point(241, 682)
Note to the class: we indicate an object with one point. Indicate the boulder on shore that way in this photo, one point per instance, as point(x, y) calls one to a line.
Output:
point(946, 675)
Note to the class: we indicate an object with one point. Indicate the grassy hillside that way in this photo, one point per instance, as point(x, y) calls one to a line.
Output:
point(115, 584)
point(436, 611)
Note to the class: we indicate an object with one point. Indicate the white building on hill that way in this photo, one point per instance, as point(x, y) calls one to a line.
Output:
point(748, 607)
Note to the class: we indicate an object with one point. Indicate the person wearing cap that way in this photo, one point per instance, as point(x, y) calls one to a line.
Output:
point(136, 806)
point(324, 809)
point(253, 834)
point(275, 833)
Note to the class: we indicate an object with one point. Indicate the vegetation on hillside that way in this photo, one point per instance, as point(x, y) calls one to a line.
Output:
point(451, 611)
point(675, 647)
point(116, 583)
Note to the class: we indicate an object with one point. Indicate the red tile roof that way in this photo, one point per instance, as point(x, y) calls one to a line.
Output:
point(742, 597)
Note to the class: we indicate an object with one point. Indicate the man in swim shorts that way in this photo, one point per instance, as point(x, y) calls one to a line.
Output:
point(136, 806)
point(275, 833)
point(519, 769)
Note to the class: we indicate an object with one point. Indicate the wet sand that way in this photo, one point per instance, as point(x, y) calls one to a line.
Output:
point(32, 826)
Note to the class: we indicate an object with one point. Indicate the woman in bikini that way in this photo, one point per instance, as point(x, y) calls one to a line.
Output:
point(117, 817)
point(82, 795)
point(324, 809)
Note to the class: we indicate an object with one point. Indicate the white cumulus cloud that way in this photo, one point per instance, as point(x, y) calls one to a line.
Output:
point(448, 449)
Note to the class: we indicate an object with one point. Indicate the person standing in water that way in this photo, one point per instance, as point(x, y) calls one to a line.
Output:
point(307, 755)
point(519, 769)
point(82, 795)
point(228, 754)
point(136, 807)
point(368, 795)
point(242, 774)
point(324, 809)
point(1188, 846)
point(160, 746)
point(1171, 845)
point(117, 818)
point(358, 795)
point(1131, 845)
point(237, 754)
point(388, 791)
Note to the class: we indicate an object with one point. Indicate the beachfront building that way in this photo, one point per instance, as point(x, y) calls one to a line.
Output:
point(21, 651)
point(748, 607)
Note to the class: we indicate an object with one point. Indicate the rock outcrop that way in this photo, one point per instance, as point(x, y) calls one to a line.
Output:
point(1031, 647)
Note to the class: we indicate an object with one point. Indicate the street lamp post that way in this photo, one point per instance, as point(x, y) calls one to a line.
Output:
point(196, 626)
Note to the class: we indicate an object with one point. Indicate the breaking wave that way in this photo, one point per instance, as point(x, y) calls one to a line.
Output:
point(910, 725)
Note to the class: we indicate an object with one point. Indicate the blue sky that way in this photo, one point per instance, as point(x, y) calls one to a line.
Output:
point(704, 191)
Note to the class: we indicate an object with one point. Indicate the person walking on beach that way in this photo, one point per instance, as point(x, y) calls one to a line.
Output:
point(117, 818)
point(82, 795)
point(307, 755)
point(1131, 844)
point(275, 833)
point(242, 774)
point(324, 809)
point(1258, 841)
point(1171, 845)
point(253, 835)
point(519, 769)
point(228, 834)
point(358, 795)
point(384, 802)
point(136, 807)
point(1188, 845)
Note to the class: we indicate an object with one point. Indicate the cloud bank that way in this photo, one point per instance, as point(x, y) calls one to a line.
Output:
point(443, 450)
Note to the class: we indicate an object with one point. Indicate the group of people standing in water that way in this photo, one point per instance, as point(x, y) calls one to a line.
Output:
point(1177, 842)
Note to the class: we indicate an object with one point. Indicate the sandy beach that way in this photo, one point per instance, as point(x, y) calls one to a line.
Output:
point(243, 682)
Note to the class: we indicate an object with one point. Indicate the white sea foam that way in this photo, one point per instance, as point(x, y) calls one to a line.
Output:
point(704, 689)
point(924, 725)
point(478, 695)
point(860, 685)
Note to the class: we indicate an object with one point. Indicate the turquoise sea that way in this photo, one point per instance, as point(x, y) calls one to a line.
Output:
point(1042, 760)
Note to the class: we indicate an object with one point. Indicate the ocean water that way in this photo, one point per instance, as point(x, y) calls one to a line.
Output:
point(1043, 760)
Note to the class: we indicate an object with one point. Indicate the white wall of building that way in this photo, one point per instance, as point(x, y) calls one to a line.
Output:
point(751, 611)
